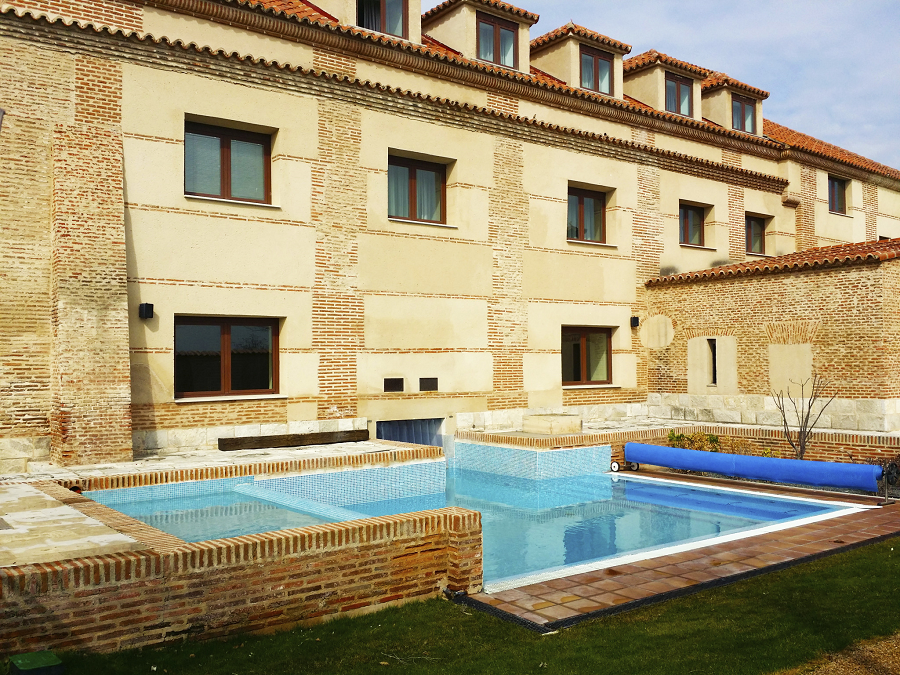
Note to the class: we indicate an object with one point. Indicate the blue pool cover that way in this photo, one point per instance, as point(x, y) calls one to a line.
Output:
point(804, 472)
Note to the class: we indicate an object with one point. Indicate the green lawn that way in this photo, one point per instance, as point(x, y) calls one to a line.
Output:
point(772, 622)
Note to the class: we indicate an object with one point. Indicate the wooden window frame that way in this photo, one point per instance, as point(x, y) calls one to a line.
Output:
point(226, 323)
point(748, 232)
point(383, 4)
point(597, 55)
point(585, 331)
point(837, 195)
point(225, 136)
point(682, 224)
point(497, 23)
point(744, 103)
point(412, 165)
point(680, 81)
point(592, 194)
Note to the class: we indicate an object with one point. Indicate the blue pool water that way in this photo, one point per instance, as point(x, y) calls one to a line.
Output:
point(532, 523)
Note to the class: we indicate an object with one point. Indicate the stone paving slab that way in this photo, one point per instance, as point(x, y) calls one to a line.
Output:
point(43, 529)
point(559, 603)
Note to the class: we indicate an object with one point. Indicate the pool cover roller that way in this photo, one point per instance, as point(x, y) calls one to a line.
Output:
point(804, 472)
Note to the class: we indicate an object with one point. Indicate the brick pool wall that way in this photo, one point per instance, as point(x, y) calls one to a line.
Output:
point(246, 584)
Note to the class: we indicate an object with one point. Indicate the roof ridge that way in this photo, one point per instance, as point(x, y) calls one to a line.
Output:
point(496, 4)
point(651, 57)
point(573, 28)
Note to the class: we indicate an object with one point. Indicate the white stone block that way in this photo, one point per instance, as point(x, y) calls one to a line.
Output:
point(245, 430)
point(273, 429)
point(768, 419)
point(302, 427)
point(705, 415)
point(727, 416)
point(691, 415)
point(661, 411)
point(715, 402)
point(850, 422)
point(213, 434)
point(685, 400)
point(654, 399)
point(552, 425)
point(870, 407)
point(14, 465)
point(748, 417)
point(842, 406)
point(892, 422)
point(345, 424)
point(669, 399)
point(186, 438)
point(677, 413)
point(871, 423)
point(361, 424)
point(327, 426)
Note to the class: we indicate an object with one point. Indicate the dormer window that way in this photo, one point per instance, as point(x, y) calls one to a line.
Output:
point(743, 114)
point(596, 70)
point(497, 40)
point(679, 95)
point(384, 16)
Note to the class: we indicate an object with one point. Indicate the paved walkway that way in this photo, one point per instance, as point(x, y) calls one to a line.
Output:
point(563, 602)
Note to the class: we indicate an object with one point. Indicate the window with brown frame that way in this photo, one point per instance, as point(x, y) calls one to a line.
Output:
point(691, 225)
point(743, 114)
point(679, 95)
point(596, 70)
point(837, 195)
point(225, 356)
point(226, 163)
point(587, 216)
point(498, 40)
point(384, 16)
point(416, 190)
point(755, 229)
point(586, 355)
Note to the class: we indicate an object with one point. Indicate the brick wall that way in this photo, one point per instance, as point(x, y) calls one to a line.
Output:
point(848, 304)
point(249, 584)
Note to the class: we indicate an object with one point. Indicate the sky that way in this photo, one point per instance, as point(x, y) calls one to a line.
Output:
point(831, 67)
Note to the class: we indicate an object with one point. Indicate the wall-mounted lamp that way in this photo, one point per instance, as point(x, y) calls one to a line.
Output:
point(635, 321)
point(145, 310)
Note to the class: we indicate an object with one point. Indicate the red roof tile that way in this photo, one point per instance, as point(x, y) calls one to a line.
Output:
point(299, 8)
point(717, 80)
point(582, 32)
point(447, 5)
point(826, 256)
point(437, 46)
point(546, 78)
point(801, 141)
point(653, 57)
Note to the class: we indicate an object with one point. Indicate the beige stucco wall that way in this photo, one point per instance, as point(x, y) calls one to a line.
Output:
point(836, 228)
point(717, 107)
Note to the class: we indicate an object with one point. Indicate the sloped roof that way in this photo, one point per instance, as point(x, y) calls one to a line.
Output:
point(299, 8)
point(505, 7)
point(582, 32)
point(647, 59)
point(825, 256)
point(795, 139)
point(717, 80)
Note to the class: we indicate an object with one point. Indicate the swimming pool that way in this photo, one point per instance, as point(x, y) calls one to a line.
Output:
point(544, 515)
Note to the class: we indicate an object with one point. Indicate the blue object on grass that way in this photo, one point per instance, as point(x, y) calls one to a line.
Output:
point(805, 472)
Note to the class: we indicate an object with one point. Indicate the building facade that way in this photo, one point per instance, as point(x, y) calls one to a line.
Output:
point(226, 218)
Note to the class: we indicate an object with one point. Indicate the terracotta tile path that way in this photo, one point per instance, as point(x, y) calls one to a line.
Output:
point(560, 603)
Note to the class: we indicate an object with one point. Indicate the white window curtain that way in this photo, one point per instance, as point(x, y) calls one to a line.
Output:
point(398, 191)
point(428, 195)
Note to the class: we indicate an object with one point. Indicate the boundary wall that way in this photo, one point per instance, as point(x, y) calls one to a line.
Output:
point(246, 584)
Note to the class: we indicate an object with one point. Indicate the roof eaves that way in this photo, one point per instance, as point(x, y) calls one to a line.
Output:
point(652, 58)
point(810, 259)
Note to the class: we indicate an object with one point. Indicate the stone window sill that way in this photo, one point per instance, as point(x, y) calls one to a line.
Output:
point(220, 399)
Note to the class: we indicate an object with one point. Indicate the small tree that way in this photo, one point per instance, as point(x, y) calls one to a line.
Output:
point(803, 408)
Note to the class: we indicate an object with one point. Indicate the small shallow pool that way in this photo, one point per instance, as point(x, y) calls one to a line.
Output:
point(537, 525)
